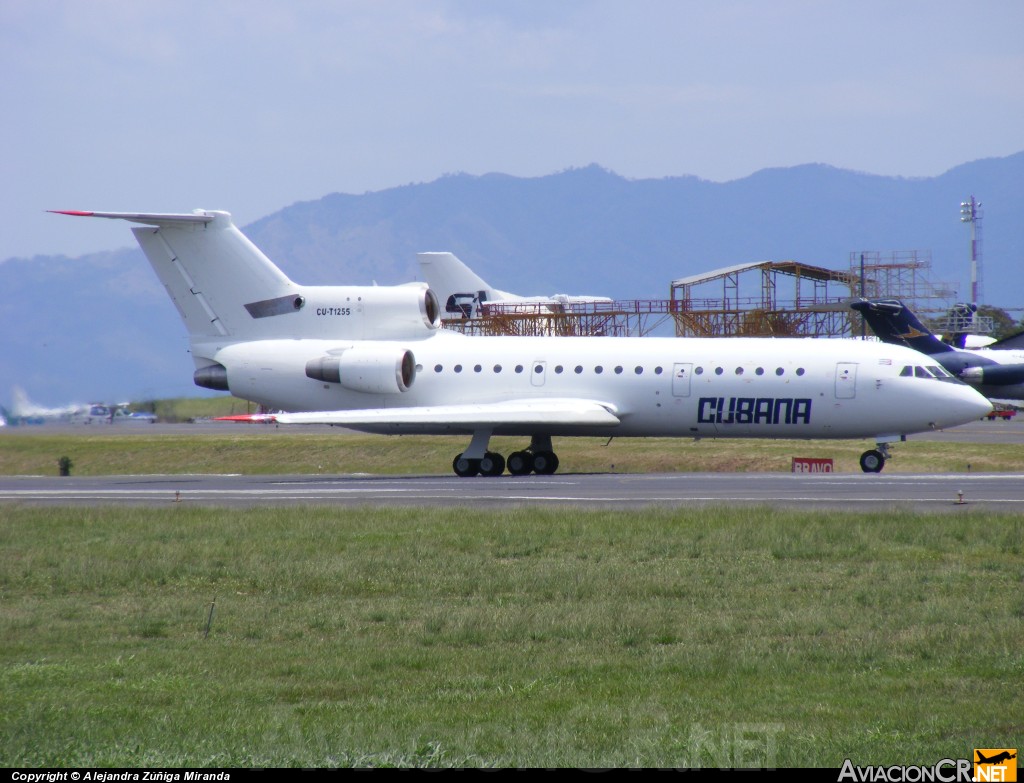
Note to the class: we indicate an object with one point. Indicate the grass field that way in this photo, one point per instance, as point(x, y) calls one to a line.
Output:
point(260, 449)
point(708, 637)
point(375, 637)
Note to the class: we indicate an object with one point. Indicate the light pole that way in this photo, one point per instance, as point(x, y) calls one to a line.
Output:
point(970, 212)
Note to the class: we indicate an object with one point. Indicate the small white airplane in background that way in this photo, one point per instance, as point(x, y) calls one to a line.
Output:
point(375, 358)
point(24, 411)
point(464, 292)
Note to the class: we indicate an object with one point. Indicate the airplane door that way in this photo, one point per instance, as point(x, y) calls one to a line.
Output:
point(846, 380)
point(681, 380)
point(537, 373)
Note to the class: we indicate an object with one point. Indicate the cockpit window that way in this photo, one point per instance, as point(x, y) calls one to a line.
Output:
point(931, 371)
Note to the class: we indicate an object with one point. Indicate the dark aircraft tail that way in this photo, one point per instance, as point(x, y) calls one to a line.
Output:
point(896, 323)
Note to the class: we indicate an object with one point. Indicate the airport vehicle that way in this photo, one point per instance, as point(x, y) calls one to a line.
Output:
point(123, 414)
point(374, 358)
point(1005, 414)
point(996, 372)
point(464, 292)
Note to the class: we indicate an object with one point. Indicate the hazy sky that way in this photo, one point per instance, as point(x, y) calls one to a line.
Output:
point(249, 106)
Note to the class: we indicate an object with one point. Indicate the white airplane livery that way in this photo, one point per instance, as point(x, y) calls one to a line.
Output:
point(376, 359)
point(463, 292)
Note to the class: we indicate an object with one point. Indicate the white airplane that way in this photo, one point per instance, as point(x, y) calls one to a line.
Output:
point(375, 359)
point(464, 292)
point(24, 410)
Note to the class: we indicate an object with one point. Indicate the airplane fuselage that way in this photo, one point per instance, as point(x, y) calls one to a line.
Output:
point(785, 388)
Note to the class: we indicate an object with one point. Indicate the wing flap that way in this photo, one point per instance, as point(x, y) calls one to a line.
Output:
point(538, 412)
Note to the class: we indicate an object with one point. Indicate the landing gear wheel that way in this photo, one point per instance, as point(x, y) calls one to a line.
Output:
point(872, 461)
point(465, 467)
point(520, 463)
point(493, 464)
point(545, 463)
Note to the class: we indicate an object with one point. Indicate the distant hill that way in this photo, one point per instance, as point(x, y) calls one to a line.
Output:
point(100, 326)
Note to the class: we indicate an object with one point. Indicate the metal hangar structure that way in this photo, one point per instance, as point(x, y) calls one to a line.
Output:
point(764, 299)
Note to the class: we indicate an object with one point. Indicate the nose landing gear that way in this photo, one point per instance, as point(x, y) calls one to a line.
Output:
point(873, 460)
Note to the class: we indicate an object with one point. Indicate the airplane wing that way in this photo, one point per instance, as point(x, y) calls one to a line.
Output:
point(535, 412)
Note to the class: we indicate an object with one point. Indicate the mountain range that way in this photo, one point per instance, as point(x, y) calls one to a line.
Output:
point(100, 327)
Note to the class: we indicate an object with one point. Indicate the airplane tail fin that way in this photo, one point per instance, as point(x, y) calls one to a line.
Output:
point(1014, 342)
point(896, 323)
point(445, 273)
point(20, 406)
point(457, 286)
point(221, 283)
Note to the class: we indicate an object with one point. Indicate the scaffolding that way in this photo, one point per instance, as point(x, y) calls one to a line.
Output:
point(623, 318)
point(762, 299)
point(765, 299)
point(901, 274)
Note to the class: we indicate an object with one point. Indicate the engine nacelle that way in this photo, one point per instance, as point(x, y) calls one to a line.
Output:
point(397, 312)
point(214, 376)
point(994, 375)
point(370, 369)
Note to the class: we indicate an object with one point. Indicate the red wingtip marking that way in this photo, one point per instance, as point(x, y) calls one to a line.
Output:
point(76, 212)
point(248, 418)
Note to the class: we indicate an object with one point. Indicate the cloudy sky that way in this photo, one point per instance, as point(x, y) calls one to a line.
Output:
point(250, 106)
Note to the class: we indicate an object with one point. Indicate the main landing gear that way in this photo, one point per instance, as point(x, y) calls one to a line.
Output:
point(477, 460)
point(873, 460)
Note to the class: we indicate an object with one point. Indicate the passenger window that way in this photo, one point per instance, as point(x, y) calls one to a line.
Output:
point(739, 371)
point(579, 369)
point(478, 368)
point(658, 371)
point(759, 371)
point(779, 371)
point(497, 368)
point(458, 368)
point(618, 371)
point(438, 368)
point(699, 371)
point(519, 368)
point(799, 370)
point(599, 369)
point(558, 369)
point(719, 371)
point(638, 370)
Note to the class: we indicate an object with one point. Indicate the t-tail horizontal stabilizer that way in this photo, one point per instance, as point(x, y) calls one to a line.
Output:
point(896, 323)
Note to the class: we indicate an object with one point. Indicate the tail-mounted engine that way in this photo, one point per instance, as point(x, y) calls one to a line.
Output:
point(370, 369)
point(397, 312)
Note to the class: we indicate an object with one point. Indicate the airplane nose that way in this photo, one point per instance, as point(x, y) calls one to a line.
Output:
point(968, 405)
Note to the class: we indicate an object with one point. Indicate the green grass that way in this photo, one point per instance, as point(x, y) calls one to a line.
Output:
point(533, 638)
point(263, 449)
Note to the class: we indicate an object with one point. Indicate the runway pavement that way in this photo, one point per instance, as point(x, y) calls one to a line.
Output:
point(958, 493)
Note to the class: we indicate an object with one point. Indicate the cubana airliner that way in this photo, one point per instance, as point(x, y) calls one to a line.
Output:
point(375, 358)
